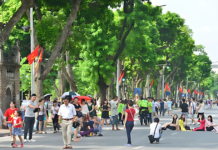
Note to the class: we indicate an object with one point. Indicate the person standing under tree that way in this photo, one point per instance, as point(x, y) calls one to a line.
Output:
point(30, 118)
point(67, 113)
point(114, 112)
point(10, 114)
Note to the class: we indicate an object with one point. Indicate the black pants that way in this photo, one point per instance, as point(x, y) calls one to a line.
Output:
point(29, 123)
point(209, 128)
point(199, 130)
point(156, 109)
point(169, 127)
point(143, 116)
point(120, 116)
point(55, 121)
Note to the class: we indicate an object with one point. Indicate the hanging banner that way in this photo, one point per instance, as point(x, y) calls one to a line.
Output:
point(183, 95)
point(137, 91)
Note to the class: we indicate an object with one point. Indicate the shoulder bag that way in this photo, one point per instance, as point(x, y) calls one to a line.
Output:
point(151, 137)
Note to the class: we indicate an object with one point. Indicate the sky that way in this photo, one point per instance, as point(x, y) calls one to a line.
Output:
point(202, 17)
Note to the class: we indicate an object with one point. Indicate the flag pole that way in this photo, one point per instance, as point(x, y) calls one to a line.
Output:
point(32, 49)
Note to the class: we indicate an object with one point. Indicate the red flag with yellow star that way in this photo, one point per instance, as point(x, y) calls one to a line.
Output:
point(33, 55)
point(39, 60)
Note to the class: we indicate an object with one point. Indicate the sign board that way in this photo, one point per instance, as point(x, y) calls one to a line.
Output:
point(137, 91)
point(188, 95)
point(168, 93)
point(24, 103)
point(183, 95)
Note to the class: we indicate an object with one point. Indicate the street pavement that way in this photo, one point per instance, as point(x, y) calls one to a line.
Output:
point(116, 140)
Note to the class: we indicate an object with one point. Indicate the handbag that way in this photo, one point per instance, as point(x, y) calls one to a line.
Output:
point(52, 116)
point(151, 137)
point(187, 128)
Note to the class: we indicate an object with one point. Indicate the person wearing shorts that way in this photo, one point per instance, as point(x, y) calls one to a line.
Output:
point(184, 110)
point(114, 113)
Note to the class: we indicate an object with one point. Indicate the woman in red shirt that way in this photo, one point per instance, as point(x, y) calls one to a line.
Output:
point(129, 122)
point(202, 121)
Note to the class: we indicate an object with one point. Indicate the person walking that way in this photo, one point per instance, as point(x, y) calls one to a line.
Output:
point(184, 110)
point(192, 110)
point(200, 110)
point(150, 110)
point(54, 112)
point(17, 128)
point(10, 114)
point(169, 103)
point(162, 107)
point(129, 122)
point(143, 110)
point(30, 118)
point(67, 113)
point(114, 112)
point(40, 117)
point(120, 110)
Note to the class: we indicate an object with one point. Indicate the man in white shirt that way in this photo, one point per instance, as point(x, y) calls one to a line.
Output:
point(114, 112)
point(68, 114)
point(155, 129)
point(192, 110)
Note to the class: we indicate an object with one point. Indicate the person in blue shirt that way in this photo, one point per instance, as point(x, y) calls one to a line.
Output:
point(169, 103)
point(162, 107)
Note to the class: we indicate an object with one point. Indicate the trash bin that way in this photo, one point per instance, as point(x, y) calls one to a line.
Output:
point(176, 105)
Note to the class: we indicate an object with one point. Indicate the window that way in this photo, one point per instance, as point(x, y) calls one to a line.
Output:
point(10, 73)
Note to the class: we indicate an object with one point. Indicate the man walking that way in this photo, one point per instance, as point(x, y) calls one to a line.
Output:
point(114, 112)
point(162, 107)
point(67, 113)
point(192, 110)
point(184, 110)
point(143, 110)
point(30, 118)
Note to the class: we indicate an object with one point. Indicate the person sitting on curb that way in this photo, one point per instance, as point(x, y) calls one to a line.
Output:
point(97, 126)
point(85, 128)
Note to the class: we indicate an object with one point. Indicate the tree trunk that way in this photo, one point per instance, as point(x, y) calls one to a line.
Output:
point(38, 89)
point(103, 86)
point(112, 87)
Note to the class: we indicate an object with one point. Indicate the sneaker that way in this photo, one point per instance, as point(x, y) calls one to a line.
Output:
point(21, 145)
point(157, 142)
point(15, 145)
point(130, 144)
point(127, 145)
point(100, 135)
point(32, 140)
point(25, 141)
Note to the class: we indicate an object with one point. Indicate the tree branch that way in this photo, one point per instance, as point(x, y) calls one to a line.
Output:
point(55, 87)
point(26, 4)
point(164, 47)
point(143, 77)
point(61, 39)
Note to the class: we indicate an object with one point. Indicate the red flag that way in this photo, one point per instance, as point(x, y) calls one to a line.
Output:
point(151, 82)
point(195, 92)
point(202, 93)
point(180, 89)
point(39, 60)
point(33, 55)
point(167, 87)
point(40, 56)
point(199, 93)
point(189, 91)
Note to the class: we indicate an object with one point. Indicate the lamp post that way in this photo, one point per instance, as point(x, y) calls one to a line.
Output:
point(32, 48)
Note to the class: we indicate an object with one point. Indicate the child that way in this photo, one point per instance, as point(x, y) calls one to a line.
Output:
point(91, 123)
point(17, 129)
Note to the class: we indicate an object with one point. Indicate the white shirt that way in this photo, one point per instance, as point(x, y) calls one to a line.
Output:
point(201, 110)
point(157, 131)
point(55, 109)
point(67, 112)
point(114, 108)
point(156, 104)
point(193, 106)
point(85, 109)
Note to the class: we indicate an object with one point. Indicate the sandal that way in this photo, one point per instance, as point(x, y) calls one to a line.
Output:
point(45, 132)
point(69, 147)
point(65, 147)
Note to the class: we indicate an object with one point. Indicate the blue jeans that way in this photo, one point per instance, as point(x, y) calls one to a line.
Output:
point(98, 129)
point(37, 126)
point(162, 110)
point(129, 127)
point(150, 118)
point(157, 139)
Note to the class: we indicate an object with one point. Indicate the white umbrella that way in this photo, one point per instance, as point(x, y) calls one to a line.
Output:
point(73, 94)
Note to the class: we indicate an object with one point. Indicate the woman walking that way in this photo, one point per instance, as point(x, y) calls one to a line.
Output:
point(105, 112)
point(54, 112)
point(41, 115)
point(129, 122)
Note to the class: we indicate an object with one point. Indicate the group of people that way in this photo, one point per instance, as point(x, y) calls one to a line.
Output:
point(79, 120)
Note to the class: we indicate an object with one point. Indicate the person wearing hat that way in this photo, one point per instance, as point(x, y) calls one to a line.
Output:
point(30, 118)
point(54, 116)
point(143, 110)
point(67, 113)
